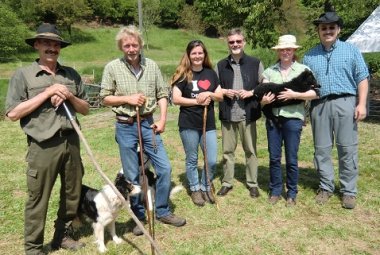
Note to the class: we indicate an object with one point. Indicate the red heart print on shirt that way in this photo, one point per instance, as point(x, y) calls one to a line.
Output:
point(204, 84)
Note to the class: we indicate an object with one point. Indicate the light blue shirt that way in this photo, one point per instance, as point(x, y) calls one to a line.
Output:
point(339, 70)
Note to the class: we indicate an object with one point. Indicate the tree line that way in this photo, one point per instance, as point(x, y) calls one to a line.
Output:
point(263, 20)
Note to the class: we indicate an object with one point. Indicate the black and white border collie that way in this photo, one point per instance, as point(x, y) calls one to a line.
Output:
point(103, 206)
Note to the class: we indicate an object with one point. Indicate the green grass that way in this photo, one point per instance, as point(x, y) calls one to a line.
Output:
point(241, 225)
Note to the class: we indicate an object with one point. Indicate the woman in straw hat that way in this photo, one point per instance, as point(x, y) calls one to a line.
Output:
point(290, 120)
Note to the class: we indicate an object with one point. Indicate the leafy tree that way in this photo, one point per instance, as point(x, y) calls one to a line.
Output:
point(170, 10)
point(262, 24)
point(65, 13)
point(13, 32)
point(224, 14)
point(191, 19)
point(114, 10)
point(151, 15)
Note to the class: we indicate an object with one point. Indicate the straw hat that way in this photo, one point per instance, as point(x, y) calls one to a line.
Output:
point(47, 31)
point(286, 42)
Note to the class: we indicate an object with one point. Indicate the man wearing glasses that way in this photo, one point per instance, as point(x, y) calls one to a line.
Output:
point(341, 71)
point(239, 74)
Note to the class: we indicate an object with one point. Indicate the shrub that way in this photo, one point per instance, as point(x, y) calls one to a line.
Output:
point(13, 32)
point(191, 20)
point(373, 62)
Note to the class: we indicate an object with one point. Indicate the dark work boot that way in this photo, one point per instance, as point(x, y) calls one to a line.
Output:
point(62, 239)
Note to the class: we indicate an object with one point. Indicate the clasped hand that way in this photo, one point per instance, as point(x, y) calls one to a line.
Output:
point(58, 93)
point(204, 98)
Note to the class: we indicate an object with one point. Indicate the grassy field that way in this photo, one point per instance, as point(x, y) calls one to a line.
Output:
point(241, 225)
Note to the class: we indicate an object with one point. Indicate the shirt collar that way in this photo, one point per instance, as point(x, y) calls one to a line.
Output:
point(142, 61)
point(38, 70)
point(333, 46)
point(278, 67)
point(241, 60)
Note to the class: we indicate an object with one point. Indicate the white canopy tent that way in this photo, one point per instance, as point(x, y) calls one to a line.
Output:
point(367, 36)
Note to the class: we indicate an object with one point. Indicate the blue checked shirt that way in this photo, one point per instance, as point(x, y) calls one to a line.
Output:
point(339, 70)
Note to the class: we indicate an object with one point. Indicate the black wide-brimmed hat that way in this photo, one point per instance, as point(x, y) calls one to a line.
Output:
point(330, 16)
point(47, 31)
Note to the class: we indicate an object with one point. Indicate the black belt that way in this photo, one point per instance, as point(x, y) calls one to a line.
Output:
point(336, 96)
point(64, 133)
point(129, 120)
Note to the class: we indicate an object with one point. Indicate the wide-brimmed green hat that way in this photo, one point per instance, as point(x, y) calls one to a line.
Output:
point(50, 32)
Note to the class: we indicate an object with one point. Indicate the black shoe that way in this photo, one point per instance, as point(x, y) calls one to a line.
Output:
point(173, 220)
point(224, 190)
point(254, 192)
point(62, 239)
point(137, 230)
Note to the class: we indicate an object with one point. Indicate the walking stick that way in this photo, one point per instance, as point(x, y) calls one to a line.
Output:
point(147, 195)
point(212, 189)
point(107, 180)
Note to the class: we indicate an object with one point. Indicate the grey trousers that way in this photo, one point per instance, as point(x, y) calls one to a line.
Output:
point(248, 134)
point(333, 121)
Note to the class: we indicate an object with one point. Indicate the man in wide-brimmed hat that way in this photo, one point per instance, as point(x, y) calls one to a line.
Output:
point(343, 75)
point(34, 97)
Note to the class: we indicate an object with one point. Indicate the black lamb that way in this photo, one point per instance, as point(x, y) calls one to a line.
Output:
point(302, 83)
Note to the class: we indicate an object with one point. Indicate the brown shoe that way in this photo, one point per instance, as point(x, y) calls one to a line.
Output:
point(254, 192)
point(197, 198)
point(322, 196)
point(274, 199)
point(348, 201)
point(224, 190)
point(62, 239)
point(290, 202)
point(173, 220)
point(208, 197)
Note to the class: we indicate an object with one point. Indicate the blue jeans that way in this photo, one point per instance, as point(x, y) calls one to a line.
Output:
point(289, 133)
point(191, 139)
point(127, 138)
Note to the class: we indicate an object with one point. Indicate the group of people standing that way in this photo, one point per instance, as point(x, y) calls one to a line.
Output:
point(133, 85)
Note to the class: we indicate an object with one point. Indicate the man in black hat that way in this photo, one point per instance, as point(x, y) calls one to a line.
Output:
point(343, 75)
point(34, 97)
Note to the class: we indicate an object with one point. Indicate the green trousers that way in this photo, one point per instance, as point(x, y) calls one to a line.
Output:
point(248, 134)
point(46, 160)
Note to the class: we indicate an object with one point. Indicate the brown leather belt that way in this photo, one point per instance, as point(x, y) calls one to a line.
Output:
point(129, 120)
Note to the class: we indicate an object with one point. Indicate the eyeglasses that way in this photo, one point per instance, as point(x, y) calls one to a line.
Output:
point(328, 27)
point(236, 41)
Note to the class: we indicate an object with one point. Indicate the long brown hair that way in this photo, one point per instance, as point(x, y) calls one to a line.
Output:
point(183, 70)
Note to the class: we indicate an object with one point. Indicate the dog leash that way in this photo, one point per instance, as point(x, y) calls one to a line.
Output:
point(107, 180)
